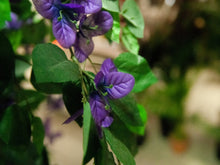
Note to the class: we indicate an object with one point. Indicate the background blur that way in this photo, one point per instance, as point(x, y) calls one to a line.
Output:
point(181, 44)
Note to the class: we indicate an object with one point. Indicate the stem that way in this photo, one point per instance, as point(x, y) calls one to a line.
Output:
point(87, 74)
point(92, 65)
point(119, 163)
point(71, 52)
point(83, 86)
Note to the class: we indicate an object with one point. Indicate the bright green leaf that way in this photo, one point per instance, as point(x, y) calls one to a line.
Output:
point(132, 14)
point(38, 134)
point(138, 67)
point(113, 34)
point(50, 64)
point(143, 114)
point(87, 116)
point(120, 150)
point(110, 5)
point(5, 12)
point(126, 109)
point(15, 37)
point(130, 41)
point(136, 31)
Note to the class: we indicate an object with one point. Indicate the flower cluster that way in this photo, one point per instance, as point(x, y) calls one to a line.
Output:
point(110, 84)
point(76, 22)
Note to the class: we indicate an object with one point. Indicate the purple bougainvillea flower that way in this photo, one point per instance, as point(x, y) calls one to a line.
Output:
point(48, 133)
point(100, 112)
point(110, 84)
point(64, 18)
point(91, 6)
point(15, 23)
point(93, 25)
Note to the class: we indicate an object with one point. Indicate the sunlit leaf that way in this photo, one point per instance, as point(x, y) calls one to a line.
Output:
point(130, 41)
point(138, 67)
point(110, 5)
point(132, 14)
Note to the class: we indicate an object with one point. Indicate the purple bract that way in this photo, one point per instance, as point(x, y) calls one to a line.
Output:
point(93, 25)
point(91, 6)
point(64, 18)
point(15, 23)
point(110, 84)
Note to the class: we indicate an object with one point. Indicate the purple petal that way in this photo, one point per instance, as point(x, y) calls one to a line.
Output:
point(122, 84)
point(15, 23)
point(97, 24)
point(108, 66)
point(83, 47)
point(63, 32)
point(74, 11)
point(99, 78)
point(100, 114)
point(73, 117)
point(91, 6)
point(47, 8)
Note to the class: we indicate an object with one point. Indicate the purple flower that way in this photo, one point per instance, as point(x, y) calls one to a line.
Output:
point(48, 133)
point(15, 23)
point(64, 19)
point(110, 84)
point(93, 25)
point(91, 6)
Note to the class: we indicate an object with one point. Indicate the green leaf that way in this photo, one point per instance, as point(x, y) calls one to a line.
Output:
point(37, 35)
point(121, 131)
point(48, 88)
point(20, 67)
point(93, 144)
point(130, 41)
point(72, 98)
point(132, 14)
point(29, 99)
point(50, 65)
point(113, 34)
point(38, 134)
point(7, 62)
point(136, 31)
point(126, 109)
point(104, 156)
point(15, 126)
point(15, 37)
point(22, 8)
point(5, 12)
point(87, 116)
point(119, 149)
point(138, 67)
point(140, 130)
point(110, 5)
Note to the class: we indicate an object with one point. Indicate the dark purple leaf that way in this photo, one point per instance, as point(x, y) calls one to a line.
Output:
point(119, 84)
point(63, 32)
point(83, 47)
point(47, 8)
point(91, 6)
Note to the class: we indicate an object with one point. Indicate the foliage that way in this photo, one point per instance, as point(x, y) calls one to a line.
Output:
point(22, 133)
